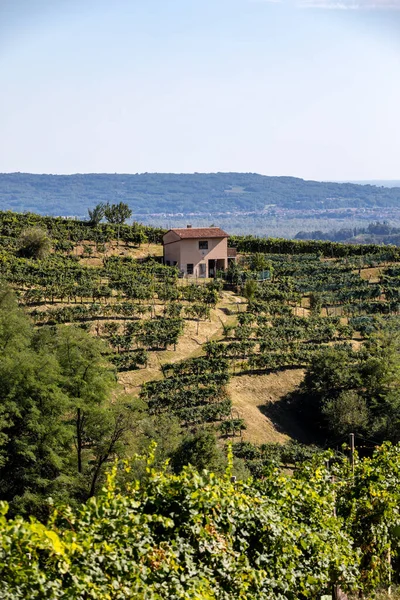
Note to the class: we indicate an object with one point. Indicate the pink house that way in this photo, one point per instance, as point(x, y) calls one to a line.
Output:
point(197, 251)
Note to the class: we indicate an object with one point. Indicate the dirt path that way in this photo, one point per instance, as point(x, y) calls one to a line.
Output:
point(189, 344)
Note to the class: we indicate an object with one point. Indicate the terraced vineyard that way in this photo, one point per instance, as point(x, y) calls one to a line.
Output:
point(182, 345)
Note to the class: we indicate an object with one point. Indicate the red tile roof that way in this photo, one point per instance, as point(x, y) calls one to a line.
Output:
point(199, 232)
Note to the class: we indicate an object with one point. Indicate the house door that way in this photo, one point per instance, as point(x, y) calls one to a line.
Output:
point(211, 268)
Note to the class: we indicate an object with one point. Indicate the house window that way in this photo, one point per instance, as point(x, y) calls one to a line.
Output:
point(203, 245)
point(202, 269)
point(167, 263)
point(189, 269)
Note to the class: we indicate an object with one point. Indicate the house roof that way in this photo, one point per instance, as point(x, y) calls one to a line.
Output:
point(199, 232)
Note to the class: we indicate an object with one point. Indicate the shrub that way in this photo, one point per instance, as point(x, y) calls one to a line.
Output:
point(34, 242)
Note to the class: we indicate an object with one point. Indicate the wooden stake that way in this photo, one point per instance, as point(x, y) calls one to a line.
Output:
point(352, 451)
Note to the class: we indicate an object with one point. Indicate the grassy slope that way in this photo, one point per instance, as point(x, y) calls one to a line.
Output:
point(251, 396)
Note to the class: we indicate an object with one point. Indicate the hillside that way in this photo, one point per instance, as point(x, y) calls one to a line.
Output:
point(270, 364)
point(322, 293)
point(165, 193)
point(110, 357)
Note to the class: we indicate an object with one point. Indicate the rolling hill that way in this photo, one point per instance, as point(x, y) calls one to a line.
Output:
point(166, 193)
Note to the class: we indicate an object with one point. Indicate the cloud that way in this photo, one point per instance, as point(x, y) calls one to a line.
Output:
point(351, 4)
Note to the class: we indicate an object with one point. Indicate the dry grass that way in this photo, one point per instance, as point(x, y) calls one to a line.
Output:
point(113, 249)
point(252, 393)
point(373, 274)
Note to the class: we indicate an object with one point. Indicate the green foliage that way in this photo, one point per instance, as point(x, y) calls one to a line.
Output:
point(194, 390)
point(251, 244)
point(258, 262)
point(345, 391)
point(34, 242)
point(34, 438)
point(231, 427)
point(57, 428)
point(117, 213)
point(346, 413)
point(260, 458)
point(249, 290)
point(369, 501)
point(201, 451)
point(96, 214)
point(185, 536)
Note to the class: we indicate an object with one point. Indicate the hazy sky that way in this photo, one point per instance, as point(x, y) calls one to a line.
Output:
point(309, 88)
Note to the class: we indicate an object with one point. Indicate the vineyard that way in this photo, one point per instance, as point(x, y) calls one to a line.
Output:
point(281, 357)
point(317, 295)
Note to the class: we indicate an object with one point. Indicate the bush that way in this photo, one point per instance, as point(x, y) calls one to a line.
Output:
point(34, 242)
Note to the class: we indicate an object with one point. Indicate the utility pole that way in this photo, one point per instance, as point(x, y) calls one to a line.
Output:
point(352, 451)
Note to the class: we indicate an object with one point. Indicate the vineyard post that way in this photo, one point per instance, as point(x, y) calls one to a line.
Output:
point(352, 452)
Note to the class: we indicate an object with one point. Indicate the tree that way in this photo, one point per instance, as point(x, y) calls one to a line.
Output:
point(34, 437)
point(315, 304)
point(55, 388)
point(258, 262)
point(345, 390)
point(233, 274)
point(250, 288)
point(88, 381)
point(107, 429)
point(117, 213)
point(347, 413)
point(34, 242)
point(96, 214)
point(201, 451)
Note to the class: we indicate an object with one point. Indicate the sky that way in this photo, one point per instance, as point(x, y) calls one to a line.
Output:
point(307, 88)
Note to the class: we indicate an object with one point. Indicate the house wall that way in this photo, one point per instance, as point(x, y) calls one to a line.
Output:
point(190, 254)
point(172, 253)
point(172, 248)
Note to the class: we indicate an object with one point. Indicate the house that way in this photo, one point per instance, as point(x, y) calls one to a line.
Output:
point(197, 251)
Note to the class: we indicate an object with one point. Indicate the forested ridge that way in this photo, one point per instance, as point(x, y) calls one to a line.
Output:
point(184, 193)
point(127, 467)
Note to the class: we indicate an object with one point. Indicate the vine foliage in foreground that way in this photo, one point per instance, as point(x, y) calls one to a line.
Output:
point(184, 536)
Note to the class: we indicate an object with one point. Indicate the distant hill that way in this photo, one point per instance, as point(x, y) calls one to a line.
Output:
point(377, 182)
point(158, 193)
